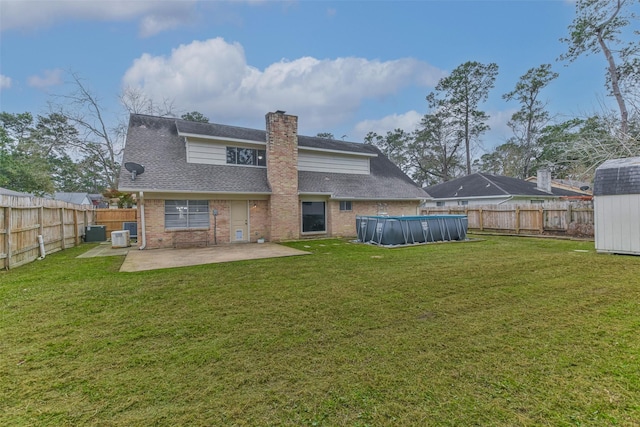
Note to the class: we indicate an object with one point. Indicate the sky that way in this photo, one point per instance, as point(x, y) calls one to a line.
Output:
point(344, 67)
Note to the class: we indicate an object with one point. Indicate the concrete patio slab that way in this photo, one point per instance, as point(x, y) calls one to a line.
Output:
point(154, 259)
point(105, 249)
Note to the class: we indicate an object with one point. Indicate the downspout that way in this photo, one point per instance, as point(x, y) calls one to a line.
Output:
point(142, 223)
point(41, 244)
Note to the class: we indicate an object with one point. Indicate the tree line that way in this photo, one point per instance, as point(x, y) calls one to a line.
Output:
point(72, 148)
point(441, 147)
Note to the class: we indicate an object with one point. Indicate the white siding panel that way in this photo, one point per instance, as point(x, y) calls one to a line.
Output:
point(206, 152)
point(617, 223)
point(332, 163)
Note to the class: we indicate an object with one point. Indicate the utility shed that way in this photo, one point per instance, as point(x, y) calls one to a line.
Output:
point(616, 192)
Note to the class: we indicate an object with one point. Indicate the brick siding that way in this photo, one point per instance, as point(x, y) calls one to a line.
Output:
point(343, 223)
point(157, 236)
point(282, 173)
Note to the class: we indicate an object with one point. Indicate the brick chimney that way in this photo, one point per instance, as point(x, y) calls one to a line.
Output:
point(543, 181)
point(282, 173)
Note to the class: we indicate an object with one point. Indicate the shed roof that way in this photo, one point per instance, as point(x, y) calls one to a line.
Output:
point(617, 177)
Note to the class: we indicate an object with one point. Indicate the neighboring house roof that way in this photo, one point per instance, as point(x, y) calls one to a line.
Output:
point(486, 185)
point(98, 201)
point(617, 177)
point(7, 192)
point(75, 198)
point(158, 144)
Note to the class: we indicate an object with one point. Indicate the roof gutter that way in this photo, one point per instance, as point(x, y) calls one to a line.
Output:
point(221, 138)
point(381, 199)
point(207, 193)
point(361, 199)
point(328, 150)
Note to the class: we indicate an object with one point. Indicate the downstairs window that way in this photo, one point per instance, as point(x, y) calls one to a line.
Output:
point(186, 214)
point(345, 206)
point(313, 217)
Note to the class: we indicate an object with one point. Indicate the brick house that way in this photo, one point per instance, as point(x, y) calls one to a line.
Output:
point(208, 183)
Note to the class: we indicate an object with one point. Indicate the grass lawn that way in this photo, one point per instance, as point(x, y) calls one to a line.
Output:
point(503, 331)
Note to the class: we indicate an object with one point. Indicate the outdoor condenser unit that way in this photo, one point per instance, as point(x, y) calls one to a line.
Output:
point(120, 239)
point(95, 233)
point(132, 227)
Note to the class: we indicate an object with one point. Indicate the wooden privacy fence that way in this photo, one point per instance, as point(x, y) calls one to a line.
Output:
point(112, 219)
point(23, 219)
point(563, 217)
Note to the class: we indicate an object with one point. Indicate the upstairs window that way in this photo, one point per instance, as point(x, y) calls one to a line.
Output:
point(246, 156)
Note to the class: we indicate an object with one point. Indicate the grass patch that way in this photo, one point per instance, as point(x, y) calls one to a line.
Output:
point(504, 331)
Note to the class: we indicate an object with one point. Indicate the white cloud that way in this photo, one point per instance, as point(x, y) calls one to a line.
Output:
point(48, 79)
point(154, 15)
point(213, 77)
point(408, 122)
point(154, 24)
point(5, 82)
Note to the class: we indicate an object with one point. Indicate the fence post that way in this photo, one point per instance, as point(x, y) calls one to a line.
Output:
point(75, 227)
point(62, 245)
point(481, 219)
point(8, 224)
point(517, 219)
point(541, 211)
point(569, 216)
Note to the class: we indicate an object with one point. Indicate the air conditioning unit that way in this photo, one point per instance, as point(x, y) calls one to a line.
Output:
point(132, 227)
point(95, 233)
point(120, 239)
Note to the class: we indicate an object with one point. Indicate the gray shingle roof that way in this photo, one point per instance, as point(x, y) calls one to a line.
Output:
point(617, 177)
point(75, 198)
point(7, 192)
point(486, 185)
point(155, 143)
point(221, 131)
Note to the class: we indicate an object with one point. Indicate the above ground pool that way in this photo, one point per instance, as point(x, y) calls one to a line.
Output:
point(405, 230)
